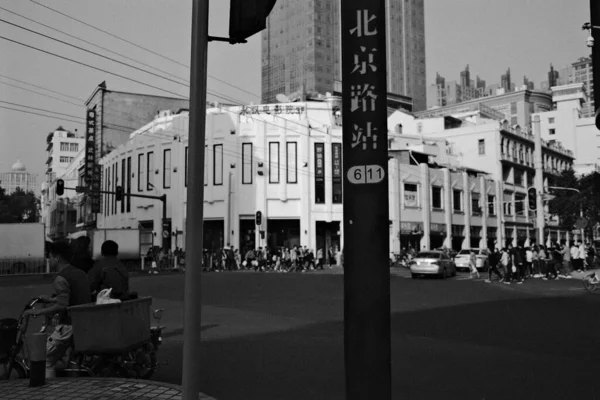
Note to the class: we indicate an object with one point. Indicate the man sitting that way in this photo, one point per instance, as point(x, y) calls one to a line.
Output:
point(71, 288)
point(109, 272)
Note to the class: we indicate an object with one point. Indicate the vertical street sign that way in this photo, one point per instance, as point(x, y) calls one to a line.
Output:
point(92, 171)
point(366, 215)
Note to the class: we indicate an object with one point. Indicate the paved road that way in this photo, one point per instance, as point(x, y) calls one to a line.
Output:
point(280, 336)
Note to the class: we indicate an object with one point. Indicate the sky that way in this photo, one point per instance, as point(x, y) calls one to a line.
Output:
point(489, 35)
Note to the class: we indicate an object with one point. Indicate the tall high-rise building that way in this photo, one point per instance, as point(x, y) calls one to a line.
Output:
point(302, 49)
point(465, 78)
point(505, 82)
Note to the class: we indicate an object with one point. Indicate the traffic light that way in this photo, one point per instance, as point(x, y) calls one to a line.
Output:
point(532, 198)
point(248, 17)
point(119, 193)
point(262, 234)
point(60, 187)
point(258, 218)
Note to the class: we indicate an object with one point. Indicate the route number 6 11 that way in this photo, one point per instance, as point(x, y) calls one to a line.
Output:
point(366, 174)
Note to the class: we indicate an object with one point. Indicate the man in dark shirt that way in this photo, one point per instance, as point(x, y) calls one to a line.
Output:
point(71, 288)
point(109, 272)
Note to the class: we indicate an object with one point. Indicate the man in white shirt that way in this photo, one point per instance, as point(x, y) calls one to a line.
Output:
point(582, 255)
point(575, 257)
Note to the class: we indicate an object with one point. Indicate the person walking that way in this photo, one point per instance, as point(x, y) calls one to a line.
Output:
point(529, 262)
point(493, 266)
point(473, 265)
point(320, 259)
point(506, 265)
point(109, 272)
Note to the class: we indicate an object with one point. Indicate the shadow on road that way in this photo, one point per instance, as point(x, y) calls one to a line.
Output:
point(526, 348)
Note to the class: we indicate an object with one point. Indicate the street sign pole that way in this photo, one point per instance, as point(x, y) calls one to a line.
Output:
point(365, 189)
point(195, 204)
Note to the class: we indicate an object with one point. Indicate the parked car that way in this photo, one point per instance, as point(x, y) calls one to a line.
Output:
point(462, 259)
point(432, 262)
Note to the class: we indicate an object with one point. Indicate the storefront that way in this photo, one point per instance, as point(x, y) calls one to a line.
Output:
point(458, 237)
point(213, 234)
point(533, 237)
point(282, 233)
point(491, 237)
point(328, 236)
point(475, 237)
point(438, 235)
point(247, 234)
point(521, 236)
point(509, 233)
point(410, 235)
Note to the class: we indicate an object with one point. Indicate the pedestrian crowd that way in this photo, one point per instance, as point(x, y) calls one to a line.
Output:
point(283, 259)
point(517, 264)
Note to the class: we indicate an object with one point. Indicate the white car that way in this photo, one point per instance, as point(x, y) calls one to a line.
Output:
point(462, 259)
point(432, 262)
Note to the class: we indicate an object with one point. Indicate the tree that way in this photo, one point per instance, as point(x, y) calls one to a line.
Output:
point(19, 207)
point(590, 193)
point(567, 203)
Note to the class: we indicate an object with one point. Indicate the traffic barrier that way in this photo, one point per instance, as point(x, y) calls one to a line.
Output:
point(24, 266)
point(36, 343)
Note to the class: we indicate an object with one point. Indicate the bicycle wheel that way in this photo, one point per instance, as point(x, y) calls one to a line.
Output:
point(590, 286)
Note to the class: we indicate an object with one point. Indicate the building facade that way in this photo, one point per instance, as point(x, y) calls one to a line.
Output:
point(64, 215)
point(567, 124)
point(283, 160)
point(117, 114)
point(62, 148)
point(301, 49)
point(18, 177)
point(505, 153)
point(517, 107)
point(580, 71)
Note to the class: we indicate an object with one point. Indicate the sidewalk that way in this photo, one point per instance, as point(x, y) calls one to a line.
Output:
point(91, 389)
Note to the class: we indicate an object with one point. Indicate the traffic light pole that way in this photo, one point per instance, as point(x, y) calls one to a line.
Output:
point(162, 198)
point(192, 322)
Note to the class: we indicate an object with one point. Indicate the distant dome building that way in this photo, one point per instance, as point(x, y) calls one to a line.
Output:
point(18, 177)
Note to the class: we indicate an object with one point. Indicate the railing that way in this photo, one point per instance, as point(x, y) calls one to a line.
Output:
point(23, 266)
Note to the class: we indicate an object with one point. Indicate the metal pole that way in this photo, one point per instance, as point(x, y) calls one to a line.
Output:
point(195, 203)
point(367, 339)
point(539, 179)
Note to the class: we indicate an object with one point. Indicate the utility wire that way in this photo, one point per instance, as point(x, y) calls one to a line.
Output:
point(141, 47)
point(91, 66)
point(42, 115)
point(38, 109)
point(95, 45)
point(39, 87)
point(109, 33)
point(94, 53)
point(42, 94)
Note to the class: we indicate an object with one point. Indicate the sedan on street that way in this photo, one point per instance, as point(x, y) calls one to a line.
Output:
point(462, 259)
point(433, 262)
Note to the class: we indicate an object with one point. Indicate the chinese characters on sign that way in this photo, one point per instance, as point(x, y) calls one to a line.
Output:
point(336, 149)
point(365, 80)
point(276, 109)
point(93, 172)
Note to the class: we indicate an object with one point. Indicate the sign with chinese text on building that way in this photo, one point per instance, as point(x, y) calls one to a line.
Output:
point(336, 162)
point(366, 212)
point(92, 171)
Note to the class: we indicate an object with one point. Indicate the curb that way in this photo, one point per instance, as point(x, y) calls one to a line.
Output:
point(53, 387)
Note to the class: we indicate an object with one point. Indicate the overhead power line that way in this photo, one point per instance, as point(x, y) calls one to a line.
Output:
point(110, 34)
point(42, 94)
point(96, 45)
point(140, 47)
point(92, 52)
point(91, 66)
point(42, 115)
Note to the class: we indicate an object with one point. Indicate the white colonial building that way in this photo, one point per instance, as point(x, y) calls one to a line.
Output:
point(283, 160)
